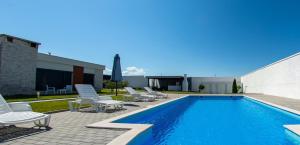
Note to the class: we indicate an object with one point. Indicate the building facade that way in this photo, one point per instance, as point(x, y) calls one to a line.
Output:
point(212, 85)
point(24, 71)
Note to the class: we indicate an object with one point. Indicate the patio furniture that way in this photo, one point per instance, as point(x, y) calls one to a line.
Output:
point(61, 91)
point(156, 93)
point(50, 89)
point(138, 96)
point(88, 95)
point(69, 88)
point(19, 113)
point(65, 90)
point(73, 105)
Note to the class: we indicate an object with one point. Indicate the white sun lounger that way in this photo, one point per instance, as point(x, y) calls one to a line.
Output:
point(19, 113)
point(138, 96)
point(156, 93)
point(88, 95)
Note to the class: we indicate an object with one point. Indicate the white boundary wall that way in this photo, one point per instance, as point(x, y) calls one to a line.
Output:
point(136, 81)
point(214, 85)
point(281, 78)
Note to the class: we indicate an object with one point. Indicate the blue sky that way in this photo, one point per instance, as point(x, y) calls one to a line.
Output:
point(161, 37)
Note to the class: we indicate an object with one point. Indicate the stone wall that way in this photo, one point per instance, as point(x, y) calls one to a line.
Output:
point(18, 68)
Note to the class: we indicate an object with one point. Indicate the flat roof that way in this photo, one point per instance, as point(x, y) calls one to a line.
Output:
point(63, 60)
point(22, 39)
point(164, 77)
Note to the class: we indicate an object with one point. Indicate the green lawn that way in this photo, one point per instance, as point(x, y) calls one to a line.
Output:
point(111, 92)
point(52, 106)
point(34, 98)
point(27, 98)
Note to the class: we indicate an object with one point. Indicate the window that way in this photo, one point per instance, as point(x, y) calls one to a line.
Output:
point(53, 78)
point(9, 39)
point(88, 79)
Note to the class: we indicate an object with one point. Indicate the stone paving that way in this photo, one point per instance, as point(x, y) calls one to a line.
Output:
point(286, 102)
point(68, 128)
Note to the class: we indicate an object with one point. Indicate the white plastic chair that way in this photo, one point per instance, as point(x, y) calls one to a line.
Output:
point(19, 113)
point(66, 89)
point(50, 89)
point(69, 88)
point(138, 96)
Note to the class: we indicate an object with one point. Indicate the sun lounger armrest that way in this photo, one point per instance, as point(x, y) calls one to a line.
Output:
point(20, 106)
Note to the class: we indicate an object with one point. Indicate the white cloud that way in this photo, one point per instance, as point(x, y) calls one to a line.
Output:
point(107, 71)
point(133, 71)
point(129, 71)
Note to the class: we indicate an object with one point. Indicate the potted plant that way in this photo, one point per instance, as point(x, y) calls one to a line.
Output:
point(201, 87)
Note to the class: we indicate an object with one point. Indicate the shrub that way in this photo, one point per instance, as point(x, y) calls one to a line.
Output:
point(108, 84)
point(240, 89)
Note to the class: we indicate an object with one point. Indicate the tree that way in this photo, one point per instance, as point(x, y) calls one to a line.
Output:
point(234, 87)
point(122, 84)
point(201, 87)
point(109, 85)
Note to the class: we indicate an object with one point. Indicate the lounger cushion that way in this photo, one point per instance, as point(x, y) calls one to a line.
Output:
point(110, 102)
point(17, 117)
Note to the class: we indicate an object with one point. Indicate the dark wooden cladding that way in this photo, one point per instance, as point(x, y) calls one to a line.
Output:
point(78, 75)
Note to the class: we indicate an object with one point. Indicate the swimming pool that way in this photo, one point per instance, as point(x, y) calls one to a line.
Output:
point(216, 120)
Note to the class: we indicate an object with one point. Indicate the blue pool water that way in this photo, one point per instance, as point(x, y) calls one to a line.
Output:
point(216, 121)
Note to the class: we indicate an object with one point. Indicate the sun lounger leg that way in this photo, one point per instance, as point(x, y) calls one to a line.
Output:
point(45, 123)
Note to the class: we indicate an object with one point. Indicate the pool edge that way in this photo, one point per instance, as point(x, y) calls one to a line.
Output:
point(134, 130)
point(295, 128)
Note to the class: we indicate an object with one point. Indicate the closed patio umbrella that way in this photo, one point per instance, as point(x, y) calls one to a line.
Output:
point(116, 75)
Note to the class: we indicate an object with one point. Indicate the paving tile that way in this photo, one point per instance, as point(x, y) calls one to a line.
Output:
point(69, 128)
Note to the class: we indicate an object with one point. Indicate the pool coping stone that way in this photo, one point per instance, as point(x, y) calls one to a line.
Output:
point(135, 130)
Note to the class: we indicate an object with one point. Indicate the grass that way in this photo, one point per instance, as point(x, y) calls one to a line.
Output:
point(34, 98)
point(119, 97)
point(53, 106)
point(27, 98)
point(111, 92)
point(50, 106)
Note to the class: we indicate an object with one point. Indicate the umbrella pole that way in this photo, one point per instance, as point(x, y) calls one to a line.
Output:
point(116, 88)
